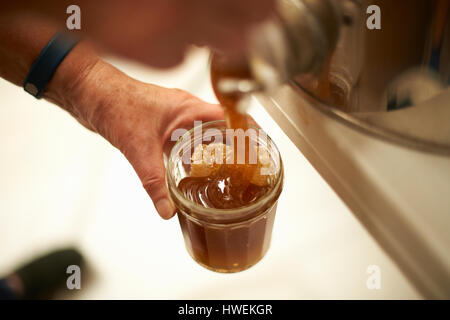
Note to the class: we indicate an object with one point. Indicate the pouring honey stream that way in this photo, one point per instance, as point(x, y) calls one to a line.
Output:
point(231, 186)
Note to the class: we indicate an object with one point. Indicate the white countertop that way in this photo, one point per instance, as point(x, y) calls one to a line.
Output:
point(61, 184)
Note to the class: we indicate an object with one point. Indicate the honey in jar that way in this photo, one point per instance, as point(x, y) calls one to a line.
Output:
point(226, 208)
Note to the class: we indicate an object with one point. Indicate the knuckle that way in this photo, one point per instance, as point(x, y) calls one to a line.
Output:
point(154, 185)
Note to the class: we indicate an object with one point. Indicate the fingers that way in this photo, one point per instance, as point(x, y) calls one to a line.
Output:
point(239, 12)
point(209, 112)
point(157, 32)
point(223, 25)
point(184, 115)
point(149, 166)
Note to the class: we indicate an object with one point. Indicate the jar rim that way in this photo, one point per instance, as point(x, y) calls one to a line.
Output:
point(215, 214)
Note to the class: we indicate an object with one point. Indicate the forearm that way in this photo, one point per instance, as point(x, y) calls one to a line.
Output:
point(22, 38)
point(84, 85)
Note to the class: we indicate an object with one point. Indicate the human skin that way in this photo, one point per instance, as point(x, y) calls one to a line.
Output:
point(156, 32)
point(135, 117)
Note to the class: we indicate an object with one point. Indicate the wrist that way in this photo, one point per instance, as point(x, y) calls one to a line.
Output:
point(88, 88)
point(65, 86)
point(102, 98)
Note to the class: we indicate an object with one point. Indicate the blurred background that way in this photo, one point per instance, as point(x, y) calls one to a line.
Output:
point(62, 185)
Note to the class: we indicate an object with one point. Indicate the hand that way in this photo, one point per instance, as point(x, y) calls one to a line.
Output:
point(138, 119)
point(157, 32)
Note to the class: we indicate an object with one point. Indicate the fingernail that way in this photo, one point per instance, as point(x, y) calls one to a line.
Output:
point(165, 208)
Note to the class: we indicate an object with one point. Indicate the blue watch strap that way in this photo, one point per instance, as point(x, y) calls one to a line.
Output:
point(45, 65)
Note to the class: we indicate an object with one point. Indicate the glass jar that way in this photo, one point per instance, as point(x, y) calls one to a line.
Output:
point(224, 240)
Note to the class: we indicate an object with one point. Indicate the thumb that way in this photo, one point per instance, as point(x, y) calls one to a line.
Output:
point(149, 166)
